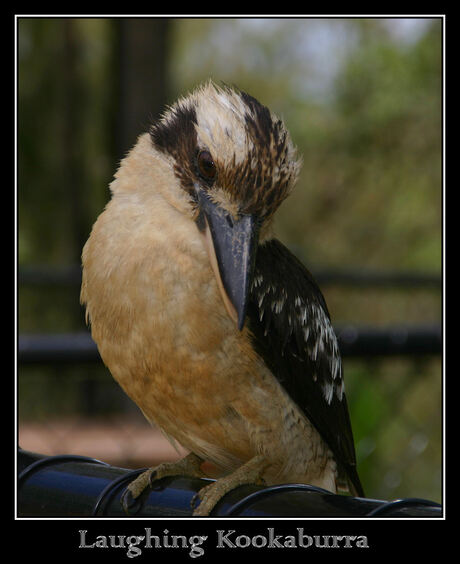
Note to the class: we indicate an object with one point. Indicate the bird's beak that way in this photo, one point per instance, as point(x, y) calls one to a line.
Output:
point(231, 246)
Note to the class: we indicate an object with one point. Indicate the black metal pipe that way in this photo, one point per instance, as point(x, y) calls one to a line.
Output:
point(57, 348)
point(76, 486)
point(354, 341)
point(70, 275)
point(398, 340)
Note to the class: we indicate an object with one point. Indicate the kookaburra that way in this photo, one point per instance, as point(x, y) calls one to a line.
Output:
point(212, 326)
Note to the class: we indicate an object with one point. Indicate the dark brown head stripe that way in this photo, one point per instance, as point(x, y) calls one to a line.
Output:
point(260, 182)
point(175, 134)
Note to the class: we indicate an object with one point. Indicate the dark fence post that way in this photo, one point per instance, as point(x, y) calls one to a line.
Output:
point(142, 48)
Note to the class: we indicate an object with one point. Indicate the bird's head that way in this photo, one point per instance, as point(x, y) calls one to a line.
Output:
point(233, 163)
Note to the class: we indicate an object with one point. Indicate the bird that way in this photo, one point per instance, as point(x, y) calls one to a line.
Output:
point(209, 323)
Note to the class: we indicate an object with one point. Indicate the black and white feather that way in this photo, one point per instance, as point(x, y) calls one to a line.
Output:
point(291, 330)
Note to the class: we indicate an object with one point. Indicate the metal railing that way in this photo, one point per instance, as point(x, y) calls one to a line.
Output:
point(77, 486)
point(354, 341)
point(70, 275)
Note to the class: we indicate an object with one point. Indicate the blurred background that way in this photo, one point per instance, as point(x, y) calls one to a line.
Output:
point(363, 101)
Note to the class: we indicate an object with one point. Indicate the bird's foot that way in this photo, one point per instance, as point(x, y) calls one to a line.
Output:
point(187, 466)
point(210, 495)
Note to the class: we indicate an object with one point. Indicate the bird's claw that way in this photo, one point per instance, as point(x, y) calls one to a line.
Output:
point(195, 500)
point(130, 504)
point(131, 497)
point(208, 497)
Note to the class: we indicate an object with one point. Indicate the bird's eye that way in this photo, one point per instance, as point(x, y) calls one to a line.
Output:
point(206, 165)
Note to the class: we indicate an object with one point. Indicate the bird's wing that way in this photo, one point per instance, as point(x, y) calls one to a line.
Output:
point(291, 330)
